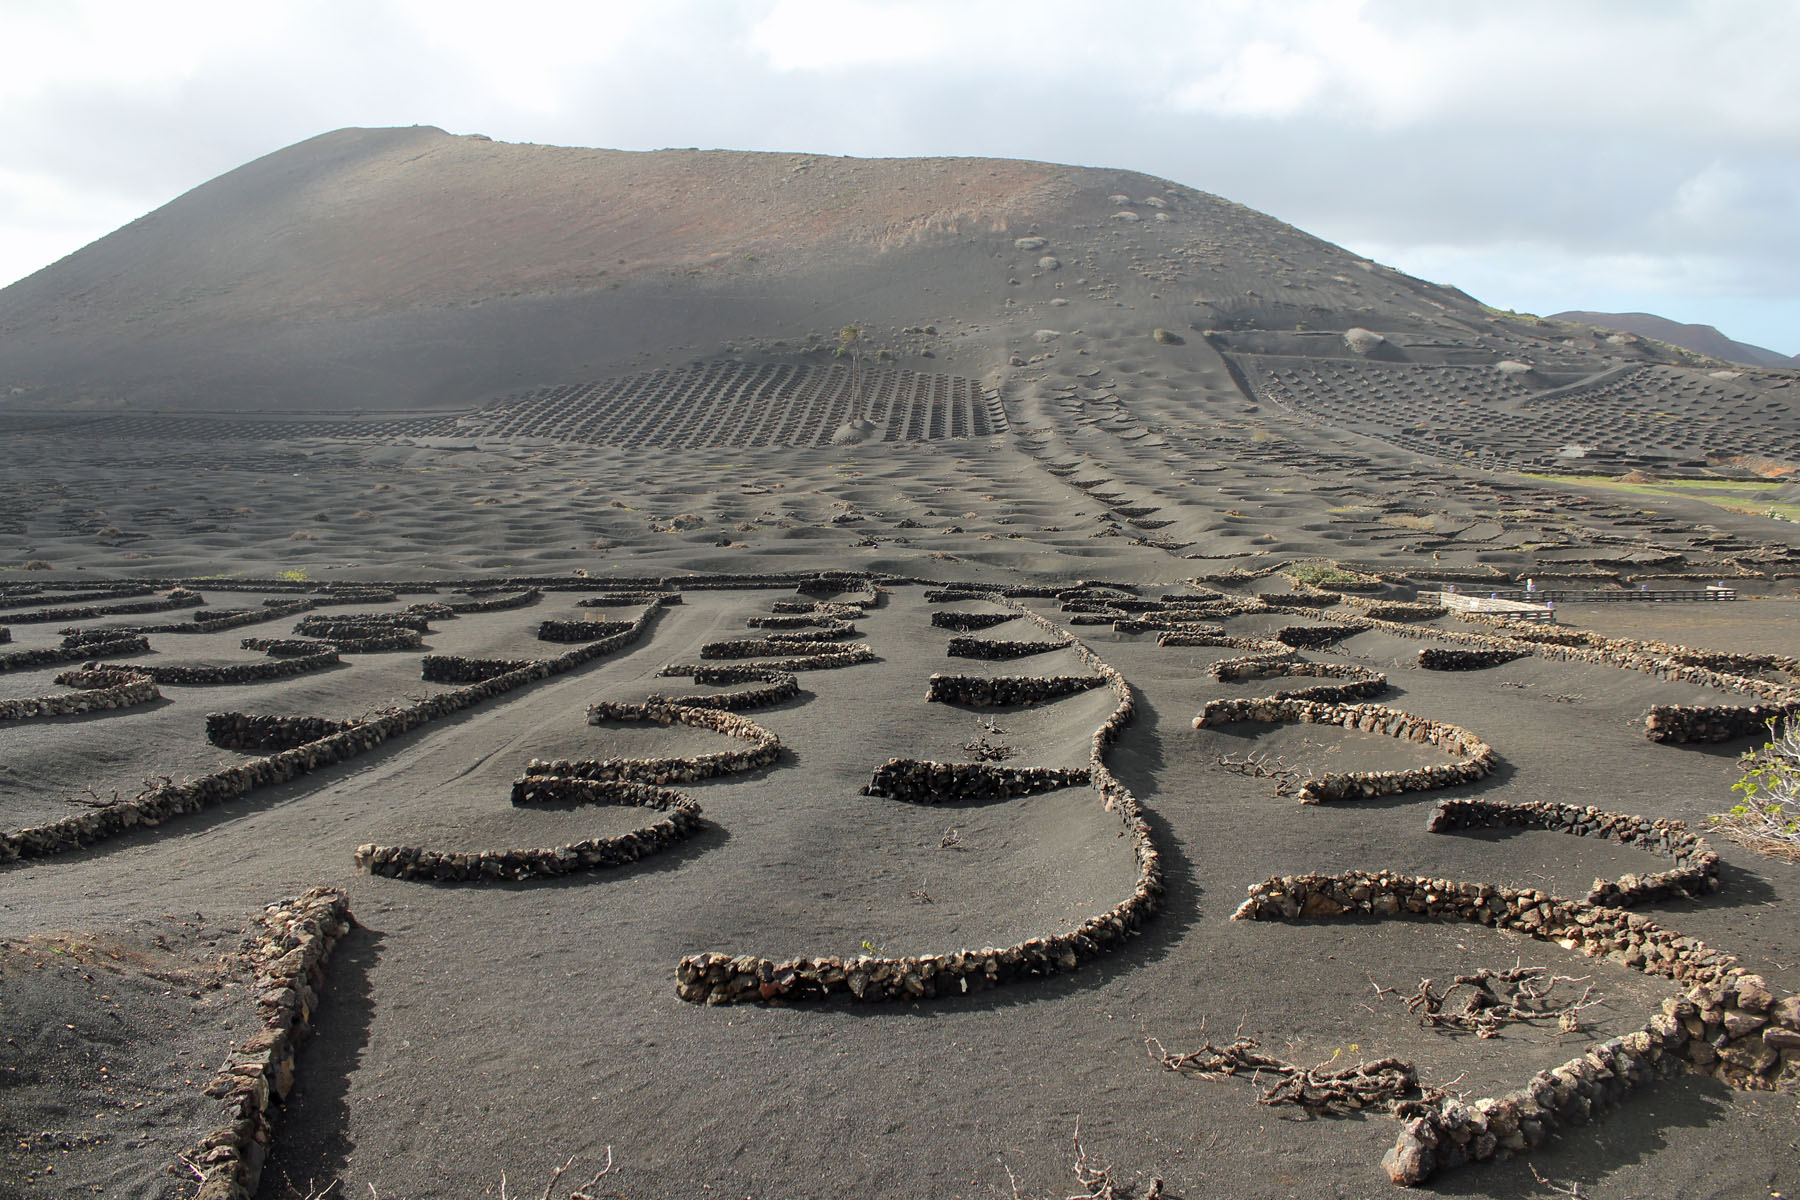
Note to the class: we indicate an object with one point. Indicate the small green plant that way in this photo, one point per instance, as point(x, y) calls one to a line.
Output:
point(1320, 573)
point(1768, 819)
point(850, 345)
point(294, 575)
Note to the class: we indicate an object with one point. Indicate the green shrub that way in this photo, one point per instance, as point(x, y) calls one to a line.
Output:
point(1320, 573)
point(1768, 818)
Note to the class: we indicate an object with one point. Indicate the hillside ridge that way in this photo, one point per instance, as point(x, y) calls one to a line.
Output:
point(1702, 339)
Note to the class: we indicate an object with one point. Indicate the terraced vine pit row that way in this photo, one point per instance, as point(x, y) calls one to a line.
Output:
point(748, 405)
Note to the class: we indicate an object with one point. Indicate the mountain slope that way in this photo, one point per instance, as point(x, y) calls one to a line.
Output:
point(1702, 339)
point(686, 299)
point(407, 268)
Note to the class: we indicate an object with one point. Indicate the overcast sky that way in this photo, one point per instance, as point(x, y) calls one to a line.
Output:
point(1641, 155)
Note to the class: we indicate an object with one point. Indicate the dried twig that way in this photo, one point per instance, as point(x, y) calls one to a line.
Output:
point(986, 751)
point(313, 1192)
point(93, 799)
point(1288, 779)
point(1572, 1190)
point(1318, 1091)
point(580, 1193)
point(1093, 1176)
point(1496, 998)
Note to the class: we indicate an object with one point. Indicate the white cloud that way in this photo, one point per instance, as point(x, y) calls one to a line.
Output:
point(835, 35)
point(530, 54)
point(1328, 60)
point(147, 47)
point(1714, 194)
point(1263, 80)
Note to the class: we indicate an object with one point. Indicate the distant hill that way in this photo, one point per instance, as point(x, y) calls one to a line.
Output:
point(400, 269)
point(1702, 339)
point(410, 271)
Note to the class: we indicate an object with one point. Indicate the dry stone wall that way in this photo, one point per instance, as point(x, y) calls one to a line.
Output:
point(838, 656)
point(1714, 722)
point(1360, 683)
point(764, 647)
point(356, 625)
point(75, 649)
point(1317, 637)
point(736, 979)
point(846, 587)
point(578, 631)
point(1440, 658)
point(1663, 660)
point(761, 747)
point(998, 650)
point(1730, 1024)
point(102, 689)
point(638, 781)
point(291, 943)
point(968, 622)
point(1696, 869)
point(980, 691)
point(776, 686)
point(244, 731)
point(378, 641)
point(1168, 624)
point(1111, 605)
point(176, 799)
point(629, 599)
point(286, 647)
point(1300, 599)
point(251, 672)
point(1265, 647)
point(818, 608)
point(827, 631)
point(1727, 661)
point(802, 656)
point(219, 620)
point(1395, 610)
point(791, 621)
point(501, 603)
point(1539, 632)
point(177, 598)
point(680, 820)
point(213, 620)
point(1476, 758)
point(453, 668)
point(333, 593)
point(920, 781)
point(15, 597)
